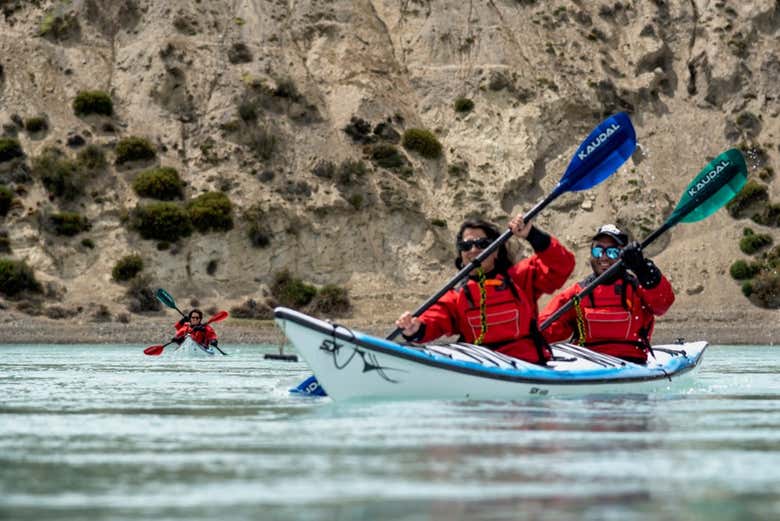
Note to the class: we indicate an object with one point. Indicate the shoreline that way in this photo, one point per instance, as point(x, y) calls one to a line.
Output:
point(732, 327)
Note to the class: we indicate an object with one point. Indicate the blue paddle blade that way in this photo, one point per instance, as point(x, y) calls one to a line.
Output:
point(716, 185)
point(606, 148)
point(165, 297)
point(309, 387)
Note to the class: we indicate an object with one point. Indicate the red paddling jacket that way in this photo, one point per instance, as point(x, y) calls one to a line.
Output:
point(201, 334)
point(617, 317)
point(510, 305)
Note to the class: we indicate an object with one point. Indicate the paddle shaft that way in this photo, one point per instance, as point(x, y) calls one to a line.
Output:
point(479, 259)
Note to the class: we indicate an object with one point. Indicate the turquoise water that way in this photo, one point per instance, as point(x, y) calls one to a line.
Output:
point(106, 433)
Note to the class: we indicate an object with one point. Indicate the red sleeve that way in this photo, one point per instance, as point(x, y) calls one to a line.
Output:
point(563, 327)
point(441, 318)
point(181, 330)
point(545, 271)
point(210, 334)
point(659, 299)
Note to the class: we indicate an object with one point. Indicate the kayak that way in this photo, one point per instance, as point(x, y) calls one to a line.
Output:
point(189, 348)
point(350, 365)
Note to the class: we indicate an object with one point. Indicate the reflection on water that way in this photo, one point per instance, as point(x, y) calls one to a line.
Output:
point(103, 432)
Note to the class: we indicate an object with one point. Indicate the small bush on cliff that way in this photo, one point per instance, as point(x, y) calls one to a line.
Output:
point(463, 105)
point(68, 223)
point(764, 290)
point(291, 291)
point(742, 270)
point(16, 277)
point(751, 194)
point(127, 268)
point(753, 242)
point(9, 149)
point(161, 183)
point(36, 124)
point(6, 198)
point(161, 221)
point(423, 142)
point(134, 148)
point(60, 175)
point(387, 156)
point(211, 211)
point(331, 300)
point(92, 159)
point(93, 102)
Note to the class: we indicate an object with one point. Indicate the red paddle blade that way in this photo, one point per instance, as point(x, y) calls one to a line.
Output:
point(220, 315)
point(154, 350)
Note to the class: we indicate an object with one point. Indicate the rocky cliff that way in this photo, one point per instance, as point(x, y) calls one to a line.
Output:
point(294, 110)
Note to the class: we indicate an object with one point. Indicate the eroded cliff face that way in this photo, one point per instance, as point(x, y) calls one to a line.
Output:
point(253, 98)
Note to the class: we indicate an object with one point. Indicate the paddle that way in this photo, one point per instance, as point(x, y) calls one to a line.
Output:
point(158, 349)
point(716, 184)
point(166, 298)
point(605, 149)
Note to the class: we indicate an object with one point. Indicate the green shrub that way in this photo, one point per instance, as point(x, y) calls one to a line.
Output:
point(9, 149)
point(161, 183)
point(463, 105)
point(752, 243)
point(36, 124)
point(423, 142)
point(768, 216)
point(290, 291)
point(161, 221)
point(93, 102)
point(742, 270)
point(258, 231)
point(331, 300)
point(765, 290)
point(92, 158)
point(127, 268)
point(6, 198)
point(441, 223)
point(68, 223)
point(134, 148)
point(59, 24)
point(752, 193)
point(5, 242)
point(387, 156)
point(140, 296)
point(88, 243)
point(15, 277)
point(211, 211)
point(61, 176)
point(350, 172)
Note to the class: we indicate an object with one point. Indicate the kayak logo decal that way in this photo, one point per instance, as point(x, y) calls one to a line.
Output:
point(600, 140)
point(370, 362)
point(709, 176)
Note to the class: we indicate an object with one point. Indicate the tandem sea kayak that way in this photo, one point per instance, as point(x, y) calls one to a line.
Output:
point(349, 364)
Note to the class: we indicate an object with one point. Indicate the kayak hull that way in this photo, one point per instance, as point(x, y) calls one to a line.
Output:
point(189, 348)
point(352, 365)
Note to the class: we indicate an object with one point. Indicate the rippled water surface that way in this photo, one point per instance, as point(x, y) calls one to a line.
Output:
point(106, 433)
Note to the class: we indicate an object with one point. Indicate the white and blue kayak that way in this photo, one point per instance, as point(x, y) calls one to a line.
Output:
point(189, 348)
point(349, 364)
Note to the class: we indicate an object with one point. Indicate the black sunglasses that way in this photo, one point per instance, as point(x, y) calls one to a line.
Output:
point(482, 243)
point(612, 252)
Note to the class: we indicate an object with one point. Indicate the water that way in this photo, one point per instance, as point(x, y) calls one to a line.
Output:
point(106, 433)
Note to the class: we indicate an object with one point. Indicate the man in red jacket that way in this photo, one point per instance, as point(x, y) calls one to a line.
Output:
point(617, 317)
point(496, 306)
point(203, 334)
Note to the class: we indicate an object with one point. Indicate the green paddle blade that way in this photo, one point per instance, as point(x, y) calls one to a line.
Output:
point(165, 297)
point(716, 185)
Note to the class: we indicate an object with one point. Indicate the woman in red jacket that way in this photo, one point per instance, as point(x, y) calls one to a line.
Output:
point(191, 325)
point(496, 306)
point(617, 318)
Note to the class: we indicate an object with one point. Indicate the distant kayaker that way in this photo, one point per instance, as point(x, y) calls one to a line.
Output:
point(191, 325)
point(496, 306)
point(617, 318)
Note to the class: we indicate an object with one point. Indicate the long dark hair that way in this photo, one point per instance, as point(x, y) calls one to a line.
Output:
point(503, 260)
